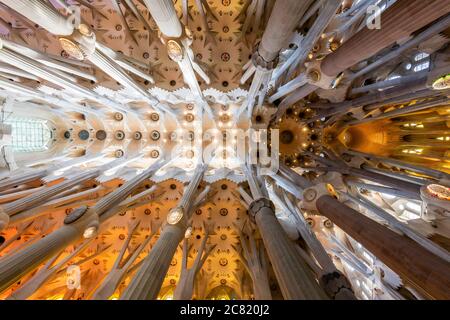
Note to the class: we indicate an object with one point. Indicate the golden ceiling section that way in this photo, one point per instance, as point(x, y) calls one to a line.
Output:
point(421, 138)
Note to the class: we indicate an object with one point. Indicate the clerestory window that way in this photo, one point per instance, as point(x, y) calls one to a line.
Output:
point(29, 134)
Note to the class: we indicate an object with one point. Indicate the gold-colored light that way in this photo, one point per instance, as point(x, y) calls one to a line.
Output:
point(331, 190)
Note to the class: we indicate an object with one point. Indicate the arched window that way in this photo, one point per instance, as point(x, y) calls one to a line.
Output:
point(29, 134)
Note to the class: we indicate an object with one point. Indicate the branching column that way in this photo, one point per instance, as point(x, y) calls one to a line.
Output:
point(411, 261)
point(121, 266)
point(147, 282)
point(43, 195)
point(255, 262)
point(334, 283)
point(16, 180)
point(45, 273)
point(165, 16)
point(41, 12)
point(282, 22)
point(294, 276)
point(398, 22)
point(82, 222)
point(185, 285)
point(178, 41)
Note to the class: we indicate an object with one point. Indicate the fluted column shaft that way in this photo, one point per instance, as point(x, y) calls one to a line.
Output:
point(380, 98)
point(46, 193)
point(261, 287)
point(64, 165)
point(165, 16)
point(44, 274)
point(399, 21)
point(33, 67)
point(81, 222)
point(372, 176)
point(385, 180)
point(41, 13)
point(423, 36)
point(148, 280)
point(185, 285)
point(15, 266)
point(112, 69)
point(401, 164)
point(296, 280)
point(282, 22)
point(16, 180)
point(409, 260)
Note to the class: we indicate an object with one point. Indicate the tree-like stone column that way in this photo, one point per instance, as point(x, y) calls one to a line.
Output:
point(82, 222)
point(43, 14)
point(45, 273)
point(147, 282)
point(185, 285)
point(178, 41)
point(13, 267)
point(120, 268)
point(255, 261)
point(296, 280)
point(426, 271)
point(398, 22)
point(334, 283)
point(283, 19)
point(165, 16)
point(16, 180)
point(43, 195)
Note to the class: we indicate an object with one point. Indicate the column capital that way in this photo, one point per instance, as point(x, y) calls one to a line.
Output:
point(257, 205)
point(85, 219)
point(312, 194)
point(81, 43)
point(260, 63)
point(318, 78)
point(176, 46)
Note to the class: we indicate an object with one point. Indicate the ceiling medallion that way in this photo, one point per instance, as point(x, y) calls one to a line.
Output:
point(118, 116)
point(154, 154)
point(154, 116)
point(119, 153)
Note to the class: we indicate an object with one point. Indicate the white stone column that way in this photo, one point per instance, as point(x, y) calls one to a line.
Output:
point(44, 194)
point(40, 12)
point(165, 16)
point(82, 222)
point(147, 282)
